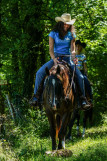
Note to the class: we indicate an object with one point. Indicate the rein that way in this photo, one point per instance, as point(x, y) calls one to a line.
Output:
point(71, 82)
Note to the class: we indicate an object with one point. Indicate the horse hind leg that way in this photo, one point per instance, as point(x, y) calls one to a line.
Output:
point(83, 133)
point(87, 115)
point(78, 123)
point(62, 132)
point(84, 124)
point(72, 120)
point(69, 136)
point(53, 136)
point(91, 117)
point(61, 144)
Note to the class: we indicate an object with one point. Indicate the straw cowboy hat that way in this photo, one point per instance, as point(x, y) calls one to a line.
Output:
point(66, 18)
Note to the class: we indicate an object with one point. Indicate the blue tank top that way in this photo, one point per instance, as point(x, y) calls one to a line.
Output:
point(62, 46)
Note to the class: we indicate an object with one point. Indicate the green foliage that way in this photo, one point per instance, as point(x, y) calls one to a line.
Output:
point(24, 29)
point(23, 142)
point(40, 122)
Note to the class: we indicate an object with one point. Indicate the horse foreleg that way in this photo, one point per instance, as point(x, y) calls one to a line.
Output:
point(52, 122)
point(87, 115)
point(61, 144)
point(91, 116)
point(53, 137)
point(69, 136)
point(78, 122)
point(84, 124)
point(62, 131)
point(74, 115)
point(83, 133)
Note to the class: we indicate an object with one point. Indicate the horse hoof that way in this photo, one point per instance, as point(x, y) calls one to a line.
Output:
point(60, 153)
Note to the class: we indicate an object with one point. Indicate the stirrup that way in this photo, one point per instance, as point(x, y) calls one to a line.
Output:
point(33, 102)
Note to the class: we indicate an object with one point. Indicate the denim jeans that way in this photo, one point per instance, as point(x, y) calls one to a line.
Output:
point(41, 73)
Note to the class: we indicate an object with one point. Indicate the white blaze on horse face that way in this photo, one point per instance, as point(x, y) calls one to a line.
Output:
point(53, 82)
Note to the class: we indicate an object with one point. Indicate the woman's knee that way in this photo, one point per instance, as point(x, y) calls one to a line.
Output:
point(40, 73)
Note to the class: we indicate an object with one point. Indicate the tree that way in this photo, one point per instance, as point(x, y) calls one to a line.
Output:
point(25, 26)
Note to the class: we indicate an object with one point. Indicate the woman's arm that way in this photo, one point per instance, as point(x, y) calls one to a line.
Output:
point(51, 49)
point(73, 48)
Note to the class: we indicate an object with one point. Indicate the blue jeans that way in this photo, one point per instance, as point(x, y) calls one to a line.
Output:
point(41, 73)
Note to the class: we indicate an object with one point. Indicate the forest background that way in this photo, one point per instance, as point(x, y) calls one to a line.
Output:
point(24, 47)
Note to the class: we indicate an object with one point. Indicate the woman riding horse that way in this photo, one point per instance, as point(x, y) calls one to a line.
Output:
point(61, 42)
point(80, 62)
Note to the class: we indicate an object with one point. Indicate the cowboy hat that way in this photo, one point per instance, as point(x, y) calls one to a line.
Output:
point(80, 43)
point(66, 18)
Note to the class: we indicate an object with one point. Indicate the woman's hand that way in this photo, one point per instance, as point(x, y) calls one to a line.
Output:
point(55, 61)
point(73, 55)
point(75, 60)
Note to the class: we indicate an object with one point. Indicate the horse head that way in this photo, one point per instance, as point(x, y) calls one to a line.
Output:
point(56, 85)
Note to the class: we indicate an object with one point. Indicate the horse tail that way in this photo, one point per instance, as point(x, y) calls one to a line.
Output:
point(58, 126)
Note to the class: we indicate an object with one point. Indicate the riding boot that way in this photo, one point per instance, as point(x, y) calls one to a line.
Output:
point(35, 100)
point(85, 103)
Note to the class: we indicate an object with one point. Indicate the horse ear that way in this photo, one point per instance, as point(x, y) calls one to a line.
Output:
point(58, 69)
point(47, 71)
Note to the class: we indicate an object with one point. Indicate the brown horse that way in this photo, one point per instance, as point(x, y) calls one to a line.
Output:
point(58, 101)
point(77, 113)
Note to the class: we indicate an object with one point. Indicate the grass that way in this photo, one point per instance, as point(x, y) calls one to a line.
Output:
point(24, 143)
